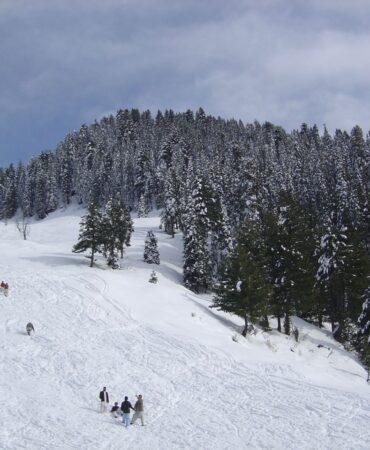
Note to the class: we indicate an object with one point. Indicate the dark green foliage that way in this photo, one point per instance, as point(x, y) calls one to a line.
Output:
point(117, 225)
point(92, 233)
point(244, 287)
point(196, 255)
point(364, 318)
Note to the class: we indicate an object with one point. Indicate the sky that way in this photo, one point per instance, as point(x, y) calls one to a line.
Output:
point(69, 62)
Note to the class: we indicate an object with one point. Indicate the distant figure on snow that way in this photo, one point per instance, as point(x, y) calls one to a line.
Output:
point(115, 411)
point(104, 400)
point(139, 410)
point(5, 286)
point(125, 408)
point(29, 328)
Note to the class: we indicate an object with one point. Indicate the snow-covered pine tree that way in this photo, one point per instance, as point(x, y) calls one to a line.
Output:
point(331, 266)
point(130, 227)
point(364, 318)
point(294, 271)
point(91, 234)
point(142, 209)
point(364, 332)
point(196, 255)
point(244, 287)
point(66, 154)
point(168, 215)
point(117, 223)
point(8, 193)
point(151, 253)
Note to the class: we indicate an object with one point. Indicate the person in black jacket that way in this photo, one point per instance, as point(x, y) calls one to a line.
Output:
point(115, 411)
point(30, 329)
point(104, 400)
point(125, 408)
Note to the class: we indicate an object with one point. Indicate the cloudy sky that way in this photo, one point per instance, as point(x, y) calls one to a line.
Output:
point(68, 62)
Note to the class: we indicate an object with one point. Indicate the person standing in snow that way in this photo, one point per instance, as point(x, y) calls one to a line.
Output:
point(139, 410)
point(29, 328)
point(104, 400)
point(125, 408)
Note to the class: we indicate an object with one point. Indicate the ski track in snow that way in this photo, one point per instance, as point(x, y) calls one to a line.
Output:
point(196, 396)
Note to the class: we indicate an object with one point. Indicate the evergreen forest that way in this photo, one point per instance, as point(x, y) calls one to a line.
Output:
point(274, 223)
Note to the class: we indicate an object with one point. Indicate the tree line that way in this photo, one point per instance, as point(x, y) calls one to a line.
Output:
point(276, 223)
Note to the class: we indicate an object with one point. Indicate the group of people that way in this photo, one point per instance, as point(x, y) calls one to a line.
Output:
point(125, 409)
point(5, 287)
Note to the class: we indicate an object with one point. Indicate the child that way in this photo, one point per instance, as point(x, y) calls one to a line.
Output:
point(115, 411)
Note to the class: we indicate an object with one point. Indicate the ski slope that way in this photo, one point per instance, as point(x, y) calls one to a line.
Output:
point(97, 327)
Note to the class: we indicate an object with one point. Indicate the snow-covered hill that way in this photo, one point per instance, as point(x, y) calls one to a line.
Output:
point(202, 390)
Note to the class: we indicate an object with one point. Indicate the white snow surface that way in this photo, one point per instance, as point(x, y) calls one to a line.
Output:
point(204, 386)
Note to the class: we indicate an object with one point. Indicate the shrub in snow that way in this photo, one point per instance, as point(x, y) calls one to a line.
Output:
point(151, 254)
point(112, 260)
point(153, 277)
point(235, 337)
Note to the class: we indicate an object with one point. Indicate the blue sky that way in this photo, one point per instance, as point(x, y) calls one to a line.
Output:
point(64, 63)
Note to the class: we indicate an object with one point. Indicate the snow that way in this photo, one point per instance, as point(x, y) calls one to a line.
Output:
point(202, 390)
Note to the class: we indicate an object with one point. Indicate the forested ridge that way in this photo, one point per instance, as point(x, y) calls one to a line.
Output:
point(274, 223)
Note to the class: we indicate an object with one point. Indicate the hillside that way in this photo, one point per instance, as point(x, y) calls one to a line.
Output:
point(97, 327)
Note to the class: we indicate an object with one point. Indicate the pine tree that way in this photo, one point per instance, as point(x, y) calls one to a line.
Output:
point(129, 226)
point(169, 215)
point(294, 248)
point(364, 332)
point(142, 210)
point(151, 253)
point(196, 255)
point(117, 227)
point(244, 287)
point(8, 193)
point(364, 318)
point(330, 274)
point(91, 234)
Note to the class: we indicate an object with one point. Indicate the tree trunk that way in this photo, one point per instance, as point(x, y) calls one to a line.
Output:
point(92, 258)
point(287, 324)
point(320, 318)
point(332, 324)
point(264, 322)
point(337, 332)
point(172, 229)
point(279, 323)
point(245, 329)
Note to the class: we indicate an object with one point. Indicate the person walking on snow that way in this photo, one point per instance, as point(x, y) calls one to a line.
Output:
point(104, 400)
point(125, 408)
point(139, 410)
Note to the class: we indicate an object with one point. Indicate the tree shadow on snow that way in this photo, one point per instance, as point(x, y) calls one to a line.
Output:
point(56, 260)
point(212, 313)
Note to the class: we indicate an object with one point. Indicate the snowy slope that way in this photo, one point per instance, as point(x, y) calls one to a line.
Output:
point(202, 390)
